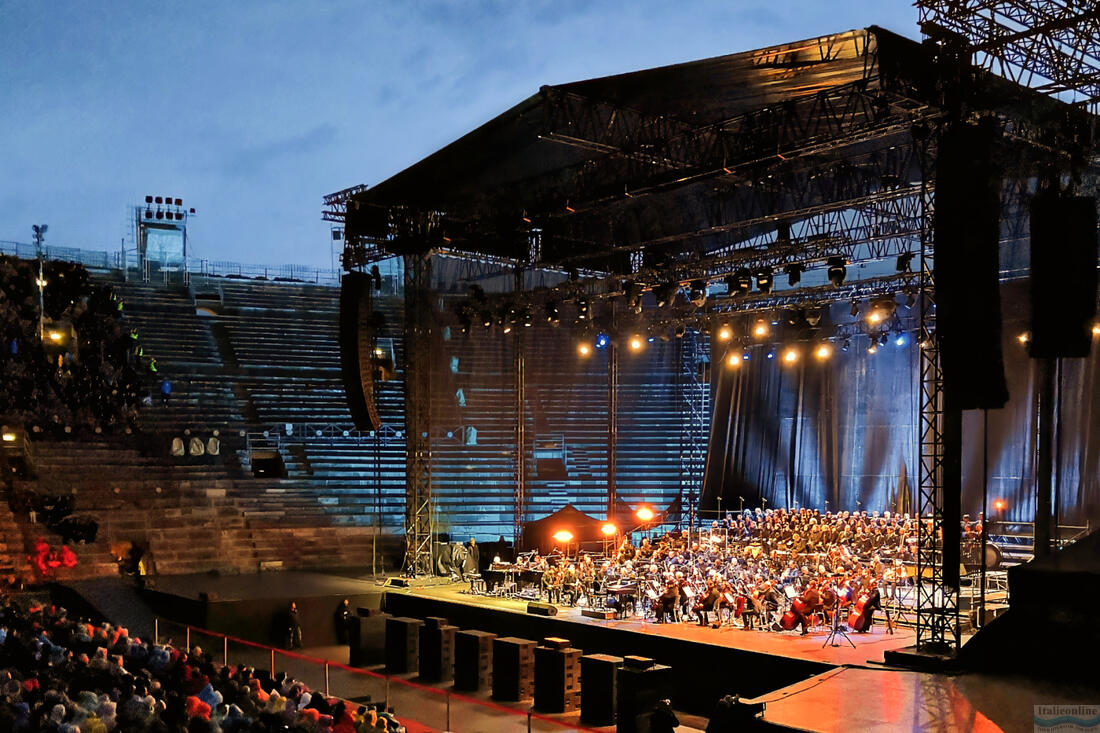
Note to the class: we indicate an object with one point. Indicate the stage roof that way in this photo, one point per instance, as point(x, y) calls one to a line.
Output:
point(674, 161)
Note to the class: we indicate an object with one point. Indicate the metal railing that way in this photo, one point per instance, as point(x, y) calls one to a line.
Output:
point(432, 707)
point(178, 272)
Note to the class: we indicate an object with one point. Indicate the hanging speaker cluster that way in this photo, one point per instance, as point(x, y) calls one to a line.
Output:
point(357, 357)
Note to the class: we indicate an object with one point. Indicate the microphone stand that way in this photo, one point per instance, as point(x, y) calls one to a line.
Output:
point(836, 624)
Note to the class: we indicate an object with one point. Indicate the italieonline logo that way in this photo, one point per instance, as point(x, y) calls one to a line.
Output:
point(1067, 718)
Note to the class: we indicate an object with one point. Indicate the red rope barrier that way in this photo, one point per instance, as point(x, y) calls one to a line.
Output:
point(396, 680)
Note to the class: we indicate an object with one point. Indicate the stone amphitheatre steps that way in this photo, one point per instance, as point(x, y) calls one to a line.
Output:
point(193, 517)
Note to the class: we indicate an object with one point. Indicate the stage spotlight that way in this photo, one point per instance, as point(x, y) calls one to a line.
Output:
point(760, 328)
point(790, 356)
point(883, 338)
point(794, 273)
point(698, 293)
point(664, 293)
point(910, 299)
point(602, 340)
point(823, 351)
point(838, 271)
point(725, 333)
point(563, 535)
point(846, 345)
point(487, 319)
point(745, 356)
point(608, 529)
point(771, 354)
point(1096, 329)
point(740, 283)
point(764, 280)
point(552, 314)
point(882, 309)
point(584, 349)
point(528, 317)
point(733, 360)
point(507, 327)
point(813, 316)
point(905, 261)
point(900, 339)
point(582, 309)
point(1000, 504)
point(645, 514)
point(854, 310)
point(636, 343)
point(1024, 337)
point(634, 292)
point(873, 348)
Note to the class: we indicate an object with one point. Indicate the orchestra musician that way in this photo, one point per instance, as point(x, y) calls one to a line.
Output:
point(666, 603)
point(707, 603)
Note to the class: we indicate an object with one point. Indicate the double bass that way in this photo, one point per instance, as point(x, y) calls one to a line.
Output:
point(864, 610)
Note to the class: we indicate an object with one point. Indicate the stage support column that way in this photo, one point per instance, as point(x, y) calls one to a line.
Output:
point(519, 367)
point(1044, 451)
point(612, 424)
point(418, 404)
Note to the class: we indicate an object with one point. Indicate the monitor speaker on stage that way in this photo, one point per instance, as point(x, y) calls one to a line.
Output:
point(542, 609)
point(1063, 274)
point(967, 266)
point(357, 349)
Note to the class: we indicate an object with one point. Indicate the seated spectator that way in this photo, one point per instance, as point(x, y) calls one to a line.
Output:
point(58, 673)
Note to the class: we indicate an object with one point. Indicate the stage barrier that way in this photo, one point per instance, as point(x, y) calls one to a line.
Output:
point(419, 706)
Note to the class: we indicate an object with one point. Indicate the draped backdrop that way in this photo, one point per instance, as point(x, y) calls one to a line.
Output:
point(842, 433)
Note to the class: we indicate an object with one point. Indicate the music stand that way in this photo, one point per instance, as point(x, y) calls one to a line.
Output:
point(836, 627)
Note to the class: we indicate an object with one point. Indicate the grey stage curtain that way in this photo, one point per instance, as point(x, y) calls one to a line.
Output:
point(845, 431)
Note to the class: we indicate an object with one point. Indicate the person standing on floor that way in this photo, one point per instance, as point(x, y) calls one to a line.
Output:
point(294, 627)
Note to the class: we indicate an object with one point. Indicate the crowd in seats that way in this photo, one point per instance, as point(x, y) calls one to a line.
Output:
point(88, 373)
point(65, 675)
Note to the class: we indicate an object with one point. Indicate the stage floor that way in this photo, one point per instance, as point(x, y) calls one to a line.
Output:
point(869, 647)
point(863, 699)
point(250, 586)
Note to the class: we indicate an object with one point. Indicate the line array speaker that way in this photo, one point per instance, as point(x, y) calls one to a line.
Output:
point(967, 235)
point(357, 349)
point(1063, 274)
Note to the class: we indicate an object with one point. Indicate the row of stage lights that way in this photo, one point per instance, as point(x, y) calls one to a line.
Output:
point(740, 283)
point(509, 317)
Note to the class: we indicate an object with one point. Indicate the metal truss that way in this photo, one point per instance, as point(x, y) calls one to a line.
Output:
point(937, 602)
point(419, 518)
point(1050, 45)
point(336, 204)
point(694, 415)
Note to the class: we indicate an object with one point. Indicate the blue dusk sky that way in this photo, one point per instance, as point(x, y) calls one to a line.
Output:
point(251, 111)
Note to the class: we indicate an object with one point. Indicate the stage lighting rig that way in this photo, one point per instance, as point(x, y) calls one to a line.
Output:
point(583, 312)
point(794, 273)
point(665, 293)
point(739, 283)
point(553, 316)
point(634, 293)
point(765, 279)
point(698, 291)
point(760, 328)
point(725, 333)
point(905, 262)
point(838, 271)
